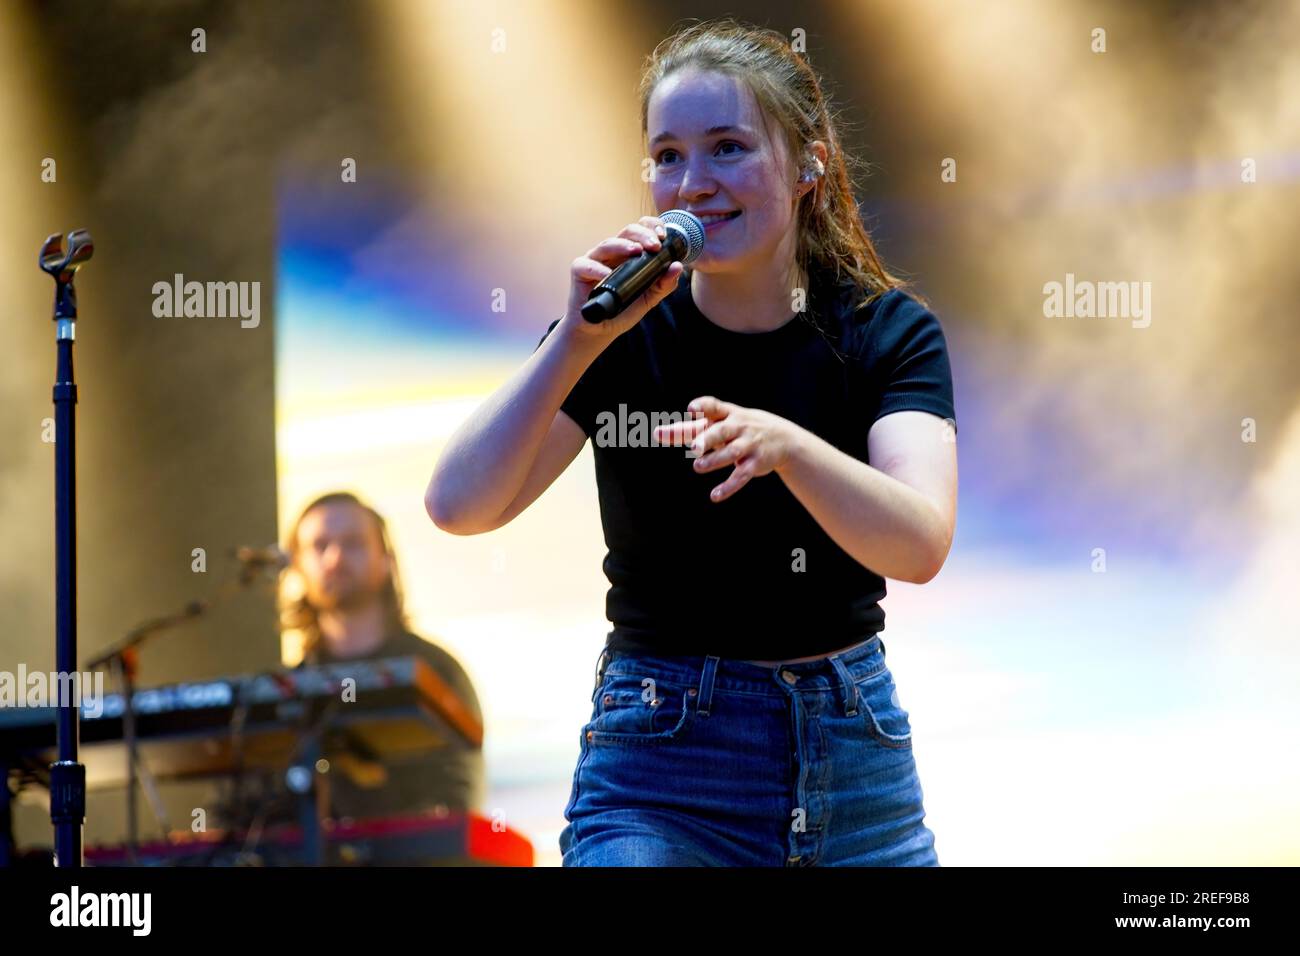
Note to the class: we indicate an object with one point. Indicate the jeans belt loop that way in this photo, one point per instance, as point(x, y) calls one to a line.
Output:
point(706, 684)
point(601, 663)
point(849, 687)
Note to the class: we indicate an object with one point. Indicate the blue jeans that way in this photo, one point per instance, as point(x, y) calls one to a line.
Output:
point(704, 761)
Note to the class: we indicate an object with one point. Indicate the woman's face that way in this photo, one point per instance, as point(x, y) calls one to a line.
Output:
point(713, 152)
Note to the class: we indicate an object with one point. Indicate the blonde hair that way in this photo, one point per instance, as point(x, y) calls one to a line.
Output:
point(831, 235)
point(297, 613)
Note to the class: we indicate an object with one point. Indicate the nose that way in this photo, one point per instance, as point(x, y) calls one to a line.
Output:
point(332, 557)
point(696, 182)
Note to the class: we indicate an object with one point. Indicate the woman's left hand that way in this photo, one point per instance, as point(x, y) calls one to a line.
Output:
point(755, 441)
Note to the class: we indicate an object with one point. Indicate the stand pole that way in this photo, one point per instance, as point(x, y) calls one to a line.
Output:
point(67, 776)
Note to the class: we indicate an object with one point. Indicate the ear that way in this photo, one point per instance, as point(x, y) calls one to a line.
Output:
point(812, 168)
point(818, 149)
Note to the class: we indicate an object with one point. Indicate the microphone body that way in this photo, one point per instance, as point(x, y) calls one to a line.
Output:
point(683, 243)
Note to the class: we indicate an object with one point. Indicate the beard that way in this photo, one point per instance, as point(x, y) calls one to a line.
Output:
point(346, 595)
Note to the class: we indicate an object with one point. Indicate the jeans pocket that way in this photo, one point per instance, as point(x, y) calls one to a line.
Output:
point(634, 709)
point(887, 722)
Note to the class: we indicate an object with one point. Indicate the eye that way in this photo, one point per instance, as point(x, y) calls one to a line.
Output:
point(666, 155)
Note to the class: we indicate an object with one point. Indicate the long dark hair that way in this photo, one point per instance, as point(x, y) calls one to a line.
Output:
point(297, 613)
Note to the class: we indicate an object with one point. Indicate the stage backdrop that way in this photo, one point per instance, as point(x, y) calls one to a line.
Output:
point(1102, 668)
point(1103, 672)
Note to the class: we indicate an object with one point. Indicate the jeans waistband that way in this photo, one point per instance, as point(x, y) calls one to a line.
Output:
point(710, 672)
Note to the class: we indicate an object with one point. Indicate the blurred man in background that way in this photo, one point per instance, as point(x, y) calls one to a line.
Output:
point(343, 594)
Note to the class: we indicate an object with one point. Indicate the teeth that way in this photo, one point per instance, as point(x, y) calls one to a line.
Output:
point(714, 217)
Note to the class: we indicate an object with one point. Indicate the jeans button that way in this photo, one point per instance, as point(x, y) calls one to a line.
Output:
point(789, 677)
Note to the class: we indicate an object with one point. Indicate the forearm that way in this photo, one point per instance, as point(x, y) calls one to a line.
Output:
point(484, 464)
point(883, 523)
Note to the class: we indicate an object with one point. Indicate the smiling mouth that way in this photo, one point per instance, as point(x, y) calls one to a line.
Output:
point(714, 219)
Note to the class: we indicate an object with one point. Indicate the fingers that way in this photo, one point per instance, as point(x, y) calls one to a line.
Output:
point(668, 281)
point(711, 431)
point(639, 232)
point(655, 224)
point(614, 250)
point(587, 273)
point(703, 412)
point(738, 478)
point(711, 407)
point(661, 287)
point(729, 453)
point(600, 261)
point(679, 433)
point(717, 435)
point(587, 269)
point(634, 238)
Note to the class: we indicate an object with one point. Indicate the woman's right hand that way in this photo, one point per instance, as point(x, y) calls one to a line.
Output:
point(589, 270)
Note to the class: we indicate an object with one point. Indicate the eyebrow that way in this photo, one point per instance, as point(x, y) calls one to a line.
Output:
point(708, 132)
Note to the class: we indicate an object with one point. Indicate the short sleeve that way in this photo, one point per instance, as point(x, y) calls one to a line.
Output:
point(910, 359)
point(455, 675)
point(587, 397)
point(450, 670)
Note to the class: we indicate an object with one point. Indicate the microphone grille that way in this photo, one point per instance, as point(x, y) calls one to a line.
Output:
point(690, 226)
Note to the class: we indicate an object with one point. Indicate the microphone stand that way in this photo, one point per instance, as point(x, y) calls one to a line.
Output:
point(67, 776)
point(121, 658)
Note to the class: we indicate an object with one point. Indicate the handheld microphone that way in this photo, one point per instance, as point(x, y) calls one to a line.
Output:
point(683, 243)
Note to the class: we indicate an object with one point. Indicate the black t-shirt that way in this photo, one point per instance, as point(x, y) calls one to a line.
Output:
point(453, 777)
point(754, 576)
